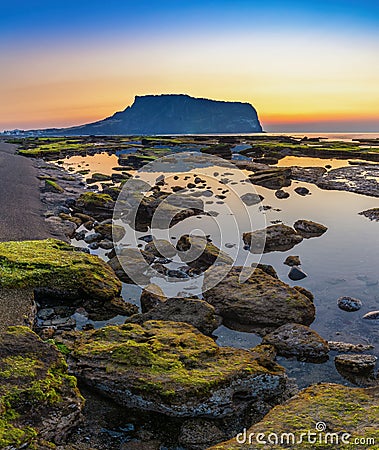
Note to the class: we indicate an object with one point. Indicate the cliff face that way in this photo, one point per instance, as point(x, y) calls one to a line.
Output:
point(174, 114)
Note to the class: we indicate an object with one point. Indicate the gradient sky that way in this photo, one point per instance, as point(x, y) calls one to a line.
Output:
point(305, 65)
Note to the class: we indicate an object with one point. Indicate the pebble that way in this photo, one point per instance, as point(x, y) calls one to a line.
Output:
point(302, 191)
point(349, 304)
point(296, 274)
point(292, 261)
point(281, 194)
point(372, 315)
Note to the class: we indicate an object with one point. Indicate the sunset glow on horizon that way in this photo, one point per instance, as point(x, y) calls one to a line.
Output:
point(308, 68)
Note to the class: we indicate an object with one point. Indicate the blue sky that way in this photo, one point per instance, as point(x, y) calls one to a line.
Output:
point(96, 55)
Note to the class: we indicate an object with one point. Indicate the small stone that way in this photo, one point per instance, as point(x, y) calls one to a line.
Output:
point(281, 194)
point(93, 237)
point(148, 238)
point(292, 261)
point(349, 304)
point(296, 274)
point(372, 214)
point(372, 315)
point(251, 199)
point(106, 244)
point(46, 313)
point(302, 191)
point(308, 228)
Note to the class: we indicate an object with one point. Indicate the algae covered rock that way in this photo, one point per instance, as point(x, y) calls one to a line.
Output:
point(57, 270)
point(261, 300)
point(170, 367)
point(99, 206)
point(38, 399)
point(334, 413)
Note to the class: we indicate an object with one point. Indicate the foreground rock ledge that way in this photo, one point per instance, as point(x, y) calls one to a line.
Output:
point(59, 271)
point(342, 409)
point(261, 300)
point(39, 400)
point(170, 367)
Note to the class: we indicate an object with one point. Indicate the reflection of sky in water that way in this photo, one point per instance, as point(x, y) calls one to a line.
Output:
point(343, 261)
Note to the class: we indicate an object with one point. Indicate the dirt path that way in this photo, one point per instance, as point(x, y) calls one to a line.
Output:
point(20, 205)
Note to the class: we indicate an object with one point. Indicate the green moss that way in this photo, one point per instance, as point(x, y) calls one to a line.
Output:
point(56, 265)
point(53, 186)
point(19, 366)
point(32, 379)
point(40, 147)
point(163, 358)
point(89, 199)
point(341, 408)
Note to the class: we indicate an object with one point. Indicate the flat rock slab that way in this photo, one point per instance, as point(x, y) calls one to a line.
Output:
point(171, 368)
point(17, 307)
point(359, 179)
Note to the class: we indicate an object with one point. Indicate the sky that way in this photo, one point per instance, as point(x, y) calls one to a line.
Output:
point(304, 65)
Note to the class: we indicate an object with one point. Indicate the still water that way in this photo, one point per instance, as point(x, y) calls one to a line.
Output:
point(344, 261)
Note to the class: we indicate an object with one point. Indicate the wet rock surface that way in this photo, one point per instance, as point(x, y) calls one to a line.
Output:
point(201, 254)
point(308, 228)
point(193, 311)
point(299, 341)
point(349, 304)
point(261, 300)
point(292, 260)
point(343, 347)
point(277, 237)
point(356, 363)
point(272, 177)
point(296, 274)
point(372, 214)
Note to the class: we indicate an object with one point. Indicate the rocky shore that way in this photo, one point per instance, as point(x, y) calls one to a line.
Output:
point(66, 377)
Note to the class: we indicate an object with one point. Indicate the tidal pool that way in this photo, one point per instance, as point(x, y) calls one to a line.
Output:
point(342, 262)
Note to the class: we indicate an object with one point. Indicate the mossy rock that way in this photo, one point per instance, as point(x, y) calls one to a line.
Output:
point(342, 409)
point(57, 268)
point(38, 399)
point(170, 367)
point(53, 186)
point(99, 206)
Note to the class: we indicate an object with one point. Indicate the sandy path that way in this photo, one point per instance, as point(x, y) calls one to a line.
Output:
point(20, 205)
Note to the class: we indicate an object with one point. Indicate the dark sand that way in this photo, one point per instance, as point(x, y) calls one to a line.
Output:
point(20, 205)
